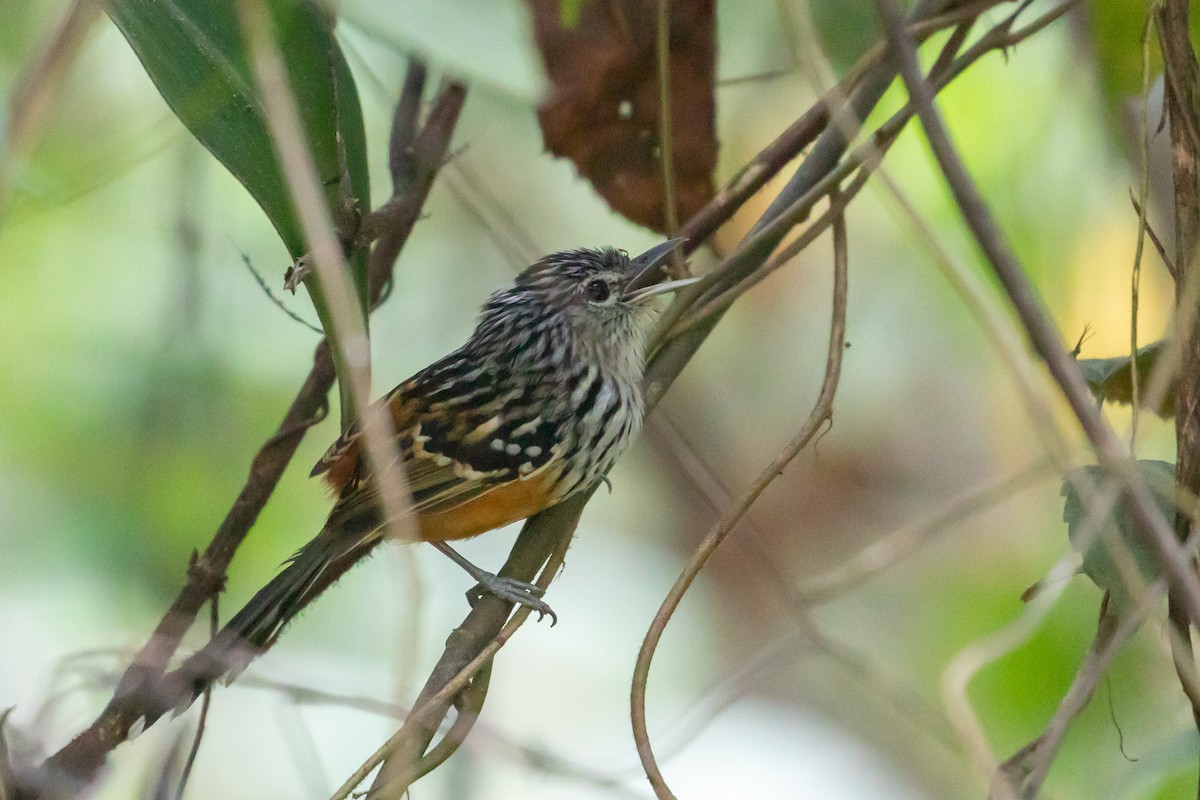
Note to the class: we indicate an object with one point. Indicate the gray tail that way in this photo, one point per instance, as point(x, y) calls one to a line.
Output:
point(254, 629)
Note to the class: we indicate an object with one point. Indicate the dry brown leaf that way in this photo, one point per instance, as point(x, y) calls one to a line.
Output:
point(602, 109)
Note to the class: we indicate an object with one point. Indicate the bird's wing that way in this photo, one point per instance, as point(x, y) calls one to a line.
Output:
point(456, 438)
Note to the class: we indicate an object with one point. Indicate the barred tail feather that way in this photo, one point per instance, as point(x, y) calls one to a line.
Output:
point(255, 627)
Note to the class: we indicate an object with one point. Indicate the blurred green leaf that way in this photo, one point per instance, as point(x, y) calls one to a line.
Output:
point(847, 29)
point(1111, 379)
point(569, 12)
point(194, 52)
point(1118, 529)
point(1116, 28)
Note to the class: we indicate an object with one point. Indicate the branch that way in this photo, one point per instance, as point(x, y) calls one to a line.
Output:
point(35, 92)
point(1023, 773)
point(1182, 91)
point(666, 131)
point(543, 541)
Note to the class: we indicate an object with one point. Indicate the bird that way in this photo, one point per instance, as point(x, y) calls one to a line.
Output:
point(535, 407)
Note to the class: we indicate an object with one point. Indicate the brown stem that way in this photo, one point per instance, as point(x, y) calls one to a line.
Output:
point(542, 541)
point(1182, 90)
point(1022, 775)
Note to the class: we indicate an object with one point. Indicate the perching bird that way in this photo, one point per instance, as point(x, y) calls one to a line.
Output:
point(535, 407)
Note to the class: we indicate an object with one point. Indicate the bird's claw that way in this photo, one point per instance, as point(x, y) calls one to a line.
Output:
point(521, 593)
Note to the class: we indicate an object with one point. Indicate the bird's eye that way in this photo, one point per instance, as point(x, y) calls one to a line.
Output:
point(597, 291)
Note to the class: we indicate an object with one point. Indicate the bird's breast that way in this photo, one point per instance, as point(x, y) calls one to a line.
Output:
point(606, 414)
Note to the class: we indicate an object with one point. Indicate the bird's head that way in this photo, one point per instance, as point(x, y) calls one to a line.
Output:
point(591, 304)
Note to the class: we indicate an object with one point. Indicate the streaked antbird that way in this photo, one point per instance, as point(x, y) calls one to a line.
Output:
point(535, 407)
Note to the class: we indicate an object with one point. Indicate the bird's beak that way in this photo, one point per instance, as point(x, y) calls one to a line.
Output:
point(647, 271)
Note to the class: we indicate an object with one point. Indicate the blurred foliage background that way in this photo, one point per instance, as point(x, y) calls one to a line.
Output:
point(143, 366)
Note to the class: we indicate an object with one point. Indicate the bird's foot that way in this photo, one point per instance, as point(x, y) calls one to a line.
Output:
point(521, 593)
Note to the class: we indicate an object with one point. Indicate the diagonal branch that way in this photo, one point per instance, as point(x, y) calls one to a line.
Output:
point(1021, 776)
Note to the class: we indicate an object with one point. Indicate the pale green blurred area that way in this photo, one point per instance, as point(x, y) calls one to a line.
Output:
point(141, 374)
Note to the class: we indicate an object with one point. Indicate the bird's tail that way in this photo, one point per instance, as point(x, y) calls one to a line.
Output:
point(254, 628)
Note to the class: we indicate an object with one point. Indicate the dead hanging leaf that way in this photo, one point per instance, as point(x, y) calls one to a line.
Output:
point(602, 109)
point(1110, 379)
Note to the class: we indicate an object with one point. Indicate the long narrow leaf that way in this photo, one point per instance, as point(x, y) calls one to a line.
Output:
point(194, 52)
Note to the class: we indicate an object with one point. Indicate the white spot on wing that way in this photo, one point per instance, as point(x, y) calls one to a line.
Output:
point(482, 430)
point(528, 427)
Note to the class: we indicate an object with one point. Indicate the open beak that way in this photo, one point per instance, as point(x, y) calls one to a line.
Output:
point(648, 271)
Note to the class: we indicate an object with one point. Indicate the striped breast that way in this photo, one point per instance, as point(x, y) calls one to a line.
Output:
point(606, 414)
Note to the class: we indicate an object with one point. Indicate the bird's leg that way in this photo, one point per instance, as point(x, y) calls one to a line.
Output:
point(514, 591)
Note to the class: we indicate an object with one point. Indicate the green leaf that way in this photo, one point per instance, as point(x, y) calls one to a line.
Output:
point(1118, 529)
point(569, 13)
point(1115, 28)
point(1111, 379)
point(847, 29)
point(1113, 31)
point(194, 52)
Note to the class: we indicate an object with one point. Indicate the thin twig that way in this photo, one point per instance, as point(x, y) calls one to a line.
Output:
point(1136, 277)
point(718, 304)
point(1021, 775)
point(349, 327)
point(1155, 239)
point(262, 284)
point(892, 548)
point(1112, 632)
point(468, 705)
point(735, 274)
point(799, 135)
point(34, 93)
point(998, 324)
point(214, 624)
point(968, 662)
point(821, 413)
